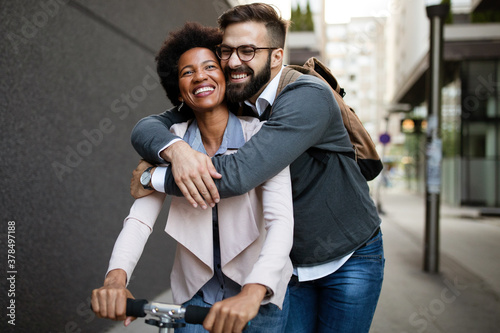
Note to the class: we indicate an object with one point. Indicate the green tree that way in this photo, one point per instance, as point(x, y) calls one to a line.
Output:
point(302, 21)
point(295, 17)
point(449, 17)
point(308, 20)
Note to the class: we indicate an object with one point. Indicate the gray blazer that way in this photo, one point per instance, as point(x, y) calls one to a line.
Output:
point(333, 211)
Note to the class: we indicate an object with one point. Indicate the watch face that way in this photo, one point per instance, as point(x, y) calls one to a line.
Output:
point(145, 177)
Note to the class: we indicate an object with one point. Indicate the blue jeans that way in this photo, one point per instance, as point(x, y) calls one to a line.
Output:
point(270, 318)
point(343, 301)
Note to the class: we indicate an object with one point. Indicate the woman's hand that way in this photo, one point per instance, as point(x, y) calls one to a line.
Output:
point(136, 188)
point(233, 314)
point(110, 301)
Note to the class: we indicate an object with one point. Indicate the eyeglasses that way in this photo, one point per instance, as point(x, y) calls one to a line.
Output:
point(244, 52)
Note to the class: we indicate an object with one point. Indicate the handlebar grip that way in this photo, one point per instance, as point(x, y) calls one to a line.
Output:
point(195, 314)
point(135, 307)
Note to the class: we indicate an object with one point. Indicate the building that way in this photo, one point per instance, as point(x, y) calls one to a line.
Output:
point(470, 96)
point(356, 55)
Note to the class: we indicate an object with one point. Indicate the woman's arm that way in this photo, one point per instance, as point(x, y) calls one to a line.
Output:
point(274, 260)
point(109, 301)
point(232, 314)
point(273, 268)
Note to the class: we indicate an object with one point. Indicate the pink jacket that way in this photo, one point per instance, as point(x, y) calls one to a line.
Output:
point(256, 235)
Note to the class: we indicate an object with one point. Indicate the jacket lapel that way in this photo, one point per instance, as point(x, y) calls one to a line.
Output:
point(238, 226)
point(191, 227)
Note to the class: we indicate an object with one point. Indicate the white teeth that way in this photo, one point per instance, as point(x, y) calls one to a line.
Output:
point(201, 90)
point(239, 76)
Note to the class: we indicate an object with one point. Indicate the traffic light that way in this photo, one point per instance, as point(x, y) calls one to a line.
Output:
point(413, 126)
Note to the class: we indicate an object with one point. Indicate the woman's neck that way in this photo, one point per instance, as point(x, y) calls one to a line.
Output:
point(212, 125)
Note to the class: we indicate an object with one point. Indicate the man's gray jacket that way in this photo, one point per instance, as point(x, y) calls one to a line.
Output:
point(333, 211)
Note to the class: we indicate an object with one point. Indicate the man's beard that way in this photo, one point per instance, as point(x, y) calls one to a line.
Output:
point(239, 92)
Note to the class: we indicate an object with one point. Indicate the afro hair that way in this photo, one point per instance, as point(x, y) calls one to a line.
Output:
point(190, 36)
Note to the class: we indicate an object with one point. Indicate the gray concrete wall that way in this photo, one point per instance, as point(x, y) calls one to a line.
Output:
point(75, 77)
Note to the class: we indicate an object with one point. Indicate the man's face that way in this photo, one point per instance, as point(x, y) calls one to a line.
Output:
point(246, 80)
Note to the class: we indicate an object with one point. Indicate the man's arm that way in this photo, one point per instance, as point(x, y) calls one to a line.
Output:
point(302, 117)
point(152, 134)
point(192, 170)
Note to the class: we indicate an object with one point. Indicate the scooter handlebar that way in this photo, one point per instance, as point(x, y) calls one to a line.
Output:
point(135, 307)
point(192, 314)
point(196, 314)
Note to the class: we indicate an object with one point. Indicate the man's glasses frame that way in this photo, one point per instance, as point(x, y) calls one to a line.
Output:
point(244, 52)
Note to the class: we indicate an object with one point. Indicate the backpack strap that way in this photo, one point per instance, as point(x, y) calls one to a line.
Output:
point(365, 153)
point(288, 75)
point(317, 67)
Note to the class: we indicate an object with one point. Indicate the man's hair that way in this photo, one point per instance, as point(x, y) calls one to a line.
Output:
point(190, 36)
point(258, 12)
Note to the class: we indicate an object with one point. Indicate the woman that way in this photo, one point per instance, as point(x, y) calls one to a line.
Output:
point(244, 267)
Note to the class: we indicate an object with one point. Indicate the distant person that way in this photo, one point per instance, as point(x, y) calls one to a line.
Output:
point(235, 256)
point(337, 251)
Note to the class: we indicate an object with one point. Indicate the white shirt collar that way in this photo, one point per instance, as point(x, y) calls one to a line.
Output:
point(268, 96)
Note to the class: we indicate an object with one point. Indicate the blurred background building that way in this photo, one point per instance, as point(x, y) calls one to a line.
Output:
point(355, 51)
point(470, 105)
point(379, 52)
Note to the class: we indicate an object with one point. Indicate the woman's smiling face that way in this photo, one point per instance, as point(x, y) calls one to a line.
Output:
point(201, 81)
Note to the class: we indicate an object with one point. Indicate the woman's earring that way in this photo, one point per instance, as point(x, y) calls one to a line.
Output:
point(180, 106)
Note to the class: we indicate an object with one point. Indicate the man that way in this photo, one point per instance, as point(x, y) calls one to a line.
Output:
point(337, 252)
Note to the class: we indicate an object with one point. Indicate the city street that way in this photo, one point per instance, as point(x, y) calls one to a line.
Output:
point(464, 297)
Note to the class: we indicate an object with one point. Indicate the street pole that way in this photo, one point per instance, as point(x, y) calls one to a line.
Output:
point(384, 139)
point(434, 151)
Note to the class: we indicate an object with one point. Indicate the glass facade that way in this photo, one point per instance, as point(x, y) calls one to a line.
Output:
point(480, 133)
point(451, 136)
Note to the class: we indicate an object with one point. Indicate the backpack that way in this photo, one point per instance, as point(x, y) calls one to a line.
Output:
point(365, 153)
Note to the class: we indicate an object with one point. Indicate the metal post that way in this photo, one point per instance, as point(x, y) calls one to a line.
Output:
point(436, 15)
point(383, 174)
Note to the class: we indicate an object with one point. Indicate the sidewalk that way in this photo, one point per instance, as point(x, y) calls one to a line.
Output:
point(464, 296)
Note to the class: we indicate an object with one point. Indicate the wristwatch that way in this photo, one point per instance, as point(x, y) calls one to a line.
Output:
point(146, 179)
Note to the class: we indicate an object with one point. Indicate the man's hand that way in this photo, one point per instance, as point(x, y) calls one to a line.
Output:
point(110, 301)
point(193, 173)
point(233, 314)
point(136, 188)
